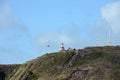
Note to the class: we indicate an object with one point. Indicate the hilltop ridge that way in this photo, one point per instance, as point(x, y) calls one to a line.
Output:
point(91, 63)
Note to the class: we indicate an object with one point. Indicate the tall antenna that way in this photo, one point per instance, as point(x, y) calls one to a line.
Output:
point(96, 42)
point(109, 36)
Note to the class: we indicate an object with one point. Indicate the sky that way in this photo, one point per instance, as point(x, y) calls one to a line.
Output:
point(28, 26)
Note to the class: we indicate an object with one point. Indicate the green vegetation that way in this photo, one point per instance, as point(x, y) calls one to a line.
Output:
point(92, 63)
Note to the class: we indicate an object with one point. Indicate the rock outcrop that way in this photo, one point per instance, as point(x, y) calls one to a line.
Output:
point(91, 63)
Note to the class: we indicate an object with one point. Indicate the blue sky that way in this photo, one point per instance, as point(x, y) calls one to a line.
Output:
point(28, 26)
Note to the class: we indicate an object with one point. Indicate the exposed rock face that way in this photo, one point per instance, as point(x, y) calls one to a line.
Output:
point(5, 71)
point(2, 76)
point(92, 63)
point(78, 75)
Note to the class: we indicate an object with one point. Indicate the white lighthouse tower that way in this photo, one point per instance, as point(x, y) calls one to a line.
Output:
point(62, 47)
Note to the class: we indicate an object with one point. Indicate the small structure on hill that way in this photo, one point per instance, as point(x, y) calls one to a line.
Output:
point(71, 49)
point(62, 47)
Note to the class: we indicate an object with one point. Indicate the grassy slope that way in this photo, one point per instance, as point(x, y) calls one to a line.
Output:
point(95, 63)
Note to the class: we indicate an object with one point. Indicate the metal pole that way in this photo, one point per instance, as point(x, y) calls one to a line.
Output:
point(109, 36)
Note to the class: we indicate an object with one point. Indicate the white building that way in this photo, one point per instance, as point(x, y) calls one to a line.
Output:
point(62, 47)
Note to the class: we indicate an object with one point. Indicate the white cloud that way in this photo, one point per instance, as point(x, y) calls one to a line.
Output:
point(111, 13)
point(110, 16)
point(69, 35)
point(7, 19)
point(56, 38)
point(13, 33)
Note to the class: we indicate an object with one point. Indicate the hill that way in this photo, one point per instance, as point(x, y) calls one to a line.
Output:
point(91, 63)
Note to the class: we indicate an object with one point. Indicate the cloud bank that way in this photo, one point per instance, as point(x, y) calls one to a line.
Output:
point(8, 20)
point(111, 13)
point(70, 35)
point(109, 17)
point(13, 33)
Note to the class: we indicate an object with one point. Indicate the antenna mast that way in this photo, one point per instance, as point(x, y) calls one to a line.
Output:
point(109, 36)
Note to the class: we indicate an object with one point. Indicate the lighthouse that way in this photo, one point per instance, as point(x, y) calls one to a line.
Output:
point(62, 47)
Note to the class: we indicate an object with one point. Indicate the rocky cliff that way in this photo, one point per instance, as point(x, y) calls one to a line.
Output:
point(91, 63)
